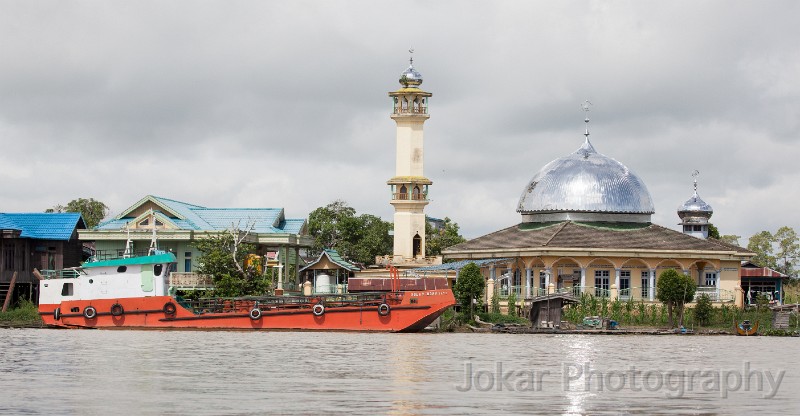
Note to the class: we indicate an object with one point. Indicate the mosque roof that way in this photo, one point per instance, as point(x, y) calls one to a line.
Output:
point(586, 181)
point(595, 235)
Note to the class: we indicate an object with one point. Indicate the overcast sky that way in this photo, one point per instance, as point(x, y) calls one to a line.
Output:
point(284, 103)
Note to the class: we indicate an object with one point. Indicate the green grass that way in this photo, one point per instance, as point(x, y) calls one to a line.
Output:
point(26, 314)
point(498, 318)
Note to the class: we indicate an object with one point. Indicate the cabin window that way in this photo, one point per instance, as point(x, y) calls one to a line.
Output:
point(157, 269)
point(67, 289)
point(122, 269)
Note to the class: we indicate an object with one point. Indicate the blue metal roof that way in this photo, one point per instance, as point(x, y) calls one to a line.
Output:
point(43, 226)
point(197, 218)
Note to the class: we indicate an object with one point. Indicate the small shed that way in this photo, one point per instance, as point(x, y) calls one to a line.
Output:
point(546, 311)
point(329, 273)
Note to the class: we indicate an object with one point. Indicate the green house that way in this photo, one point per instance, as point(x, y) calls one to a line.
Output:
point(177, 225)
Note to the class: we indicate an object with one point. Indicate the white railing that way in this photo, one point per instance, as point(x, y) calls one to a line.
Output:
point(185, 280)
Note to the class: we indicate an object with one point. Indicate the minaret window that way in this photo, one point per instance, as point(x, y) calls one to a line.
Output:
point(417, 249)
point(403, 192)
point(415, 194)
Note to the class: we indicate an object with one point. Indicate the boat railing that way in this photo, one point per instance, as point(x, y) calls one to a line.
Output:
point(265, 303)
point(60, 274)
point(330, 289)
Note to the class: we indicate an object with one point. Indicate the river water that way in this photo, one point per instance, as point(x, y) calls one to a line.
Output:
point(106, 372)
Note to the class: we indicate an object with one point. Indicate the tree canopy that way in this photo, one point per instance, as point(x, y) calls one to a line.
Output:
point(224, 259)
point(779, 251)
point(675, 290)
point(438, 240)
point(357, 238)
point(92, 211)
point(469, 287)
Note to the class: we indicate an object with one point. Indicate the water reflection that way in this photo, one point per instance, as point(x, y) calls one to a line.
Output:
point(210, 373)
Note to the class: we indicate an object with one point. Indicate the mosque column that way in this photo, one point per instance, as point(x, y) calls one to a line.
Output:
point(583, 279)
point(652, 285)
point(493, 279)
point(511, 279)
point(528, 277)
point(718, 282)
point(701, 281)
point(547, 272)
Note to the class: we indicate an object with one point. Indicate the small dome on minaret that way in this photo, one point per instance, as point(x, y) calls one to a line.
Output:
point(695, 213)
point(410, 77)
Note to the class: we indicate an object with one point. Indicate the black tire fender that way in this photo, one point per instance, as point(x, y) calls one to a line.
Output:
point(318, 309)
point(169, 308)
point(89, 312)
point(117, 310)
point(384, 309)
point(57, 314)
point(255, 314)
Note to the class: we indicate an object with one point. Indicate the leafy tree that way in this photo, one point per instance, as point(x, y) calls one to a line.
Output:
point(703, 310)
point(675, 290)
point(495, 306)
point(730, 239)
point(512, 304)
point(223, 258)
point(713, 232)
point(761, 244)
point(358, 238)
point(438, 240)
point(92, 211)
point(788, 250)
point(469, 288)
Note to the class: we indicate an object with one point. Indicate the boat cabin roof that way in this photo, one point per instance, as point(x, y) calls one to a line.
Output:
point(154, 259)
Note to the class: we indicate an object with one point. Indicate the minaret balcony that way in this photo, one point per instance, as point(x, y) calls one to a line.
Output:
point(410, 111)
point(397, 196)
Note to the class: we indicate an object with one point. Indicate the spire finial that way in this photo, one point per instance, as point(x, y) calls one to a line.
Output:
point(695, 174)
point(585, 107)
point(411, 59)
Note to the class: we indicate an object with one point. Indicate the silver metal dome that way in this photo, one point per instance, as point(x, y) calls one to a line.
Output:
point(410, 77)
point(695, 207)
point(586, 186)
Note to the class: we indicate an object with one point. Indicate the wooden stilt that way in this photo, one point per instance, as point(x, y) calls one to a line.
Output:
point(10, 292)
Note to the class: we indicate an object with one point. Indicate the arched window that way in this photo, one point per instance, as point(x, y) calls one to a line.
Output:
point(415, 194)
point(417, 246)
point(403, 192)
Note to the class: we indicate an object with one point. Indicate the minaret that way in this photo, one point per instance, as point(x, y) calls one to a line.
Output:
point(409, 186)
point(695, 214)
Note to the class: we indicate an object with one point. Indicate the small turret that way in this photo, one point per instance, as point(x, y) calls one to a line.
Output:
point(695, 214)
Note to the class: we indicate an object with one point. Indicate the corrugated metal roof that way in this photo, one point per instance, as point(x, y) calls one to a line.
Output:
point(43, 226)
point(197, 218)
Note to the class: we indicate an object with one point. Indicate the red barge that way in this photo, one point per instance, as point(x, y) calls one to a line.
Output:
point(134, 293)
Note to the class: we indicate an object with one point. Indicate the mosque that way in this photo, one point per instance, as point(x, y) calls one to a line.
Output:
point(585, 226)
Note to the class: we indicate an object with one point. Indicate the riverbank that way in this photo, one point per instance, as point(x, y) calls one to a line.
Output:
point(25, 315)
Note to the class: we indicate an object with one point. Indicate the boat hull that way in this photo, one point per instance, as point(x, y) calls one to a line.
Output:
point(412, 312)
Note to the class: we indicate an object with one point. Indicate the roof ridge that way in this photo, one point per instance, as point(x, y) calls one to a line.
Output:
point(556, 233)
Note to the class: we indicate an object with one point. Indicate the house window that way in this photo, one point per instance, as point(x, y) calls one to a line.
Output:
point(8, 254)
point(159, 223)
point(624, 279)
point(542, 280)
point(601, 283)
point(187, 262)
point(144, 222)
point(711, 279)
point(646, 284)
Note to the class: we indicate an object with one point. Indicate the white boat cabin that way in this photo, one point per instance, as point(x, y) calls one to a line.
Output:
point(133, 277)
